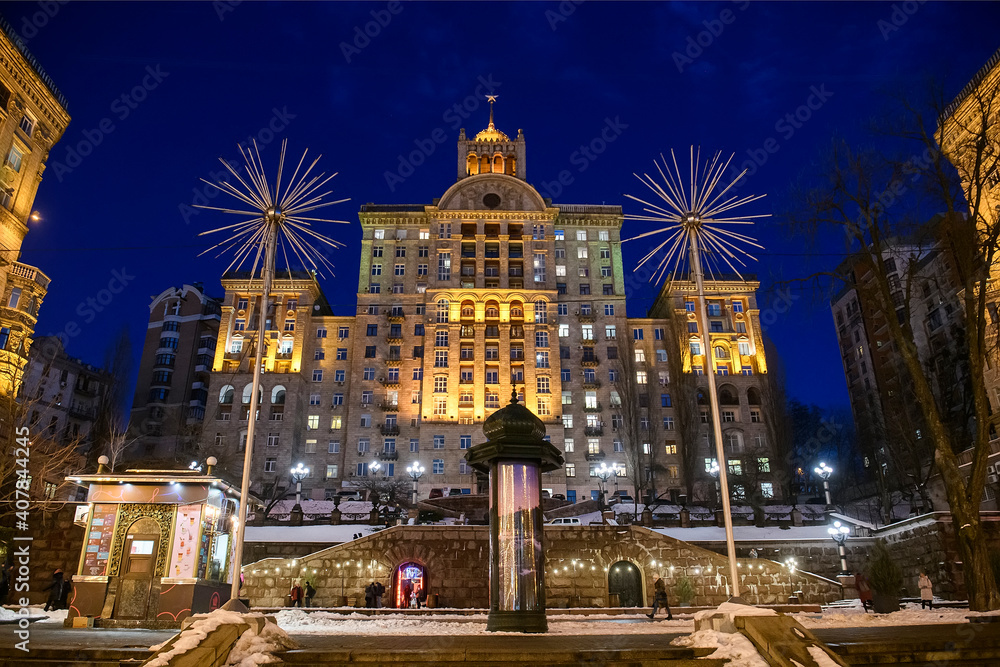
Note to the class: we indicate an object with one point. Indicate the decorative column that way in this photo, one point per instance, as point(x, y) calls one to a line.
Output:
point(515, 455)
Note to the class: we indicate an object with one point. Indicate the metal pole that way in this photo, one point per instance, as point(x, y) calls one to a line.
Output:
point(270, 243)
point(298, 491)
point(713, 398)
point(826, 490)
point(843, 559)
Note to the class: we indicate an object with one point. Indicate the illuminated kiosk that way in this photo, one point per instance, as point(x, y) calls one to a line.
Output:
point(157, 546)
point(515, 455)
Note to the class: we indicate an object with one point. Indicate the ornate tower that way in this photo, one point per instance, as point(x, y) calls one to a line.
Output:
point(491, 152)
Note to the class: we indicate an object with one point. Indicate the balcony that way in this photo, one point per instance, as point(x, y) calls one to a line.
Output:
point(389, 384)
point(387, 456)
point(593, 408)
point(393, 360)
point(283, 355)
point(590, 361)
point(595, 456)
point(29, 273)
point(592, 384)
point(394, 339)
point(594, 431)
point(386, 406)
point(388, 429)
point(585, 317)
point(90, 390)
point(394, 317)
point(82, 411)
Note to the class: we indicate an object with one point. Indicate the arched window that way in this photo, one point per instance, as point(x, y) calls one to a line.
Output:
point(498, 164)
point(226, 395)
point(492, 310)
point(728, 395)
point(753, 396)
point(516, 310)
point(484, 165)
point(278, 395)
point(472, 164)
point(721, 352)
point(442, 312)
point(246, 394)
point(468, 310)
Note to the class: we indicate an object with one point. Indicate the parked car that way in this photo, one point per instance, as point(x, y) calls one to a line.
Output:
point(351, 494)
point(565, 521)
point(436, 493)
point(558, 496)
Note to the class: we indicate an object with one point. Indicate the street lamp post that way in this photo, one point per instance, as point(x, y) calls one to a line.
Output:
point(840, 533)
point(791, 564)
point(415, 470)
point(824, 471)
point(604, 473)
point(299, 473)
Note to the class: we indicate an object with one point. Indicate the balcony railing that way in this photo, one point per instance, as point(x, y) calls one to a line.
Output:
point(595, 456)
point(386, 406)
point(30, 273)
point(591, 384)
point(585, 317)
point(389, 383)
point(387, 456)
point(594, 431)
point(590, 361)
point(388, 429)
point(593, 408)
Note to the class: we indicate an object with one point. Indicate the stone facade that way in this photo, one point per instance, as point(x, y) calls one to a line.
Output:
point(577, 563)
point(57, 544)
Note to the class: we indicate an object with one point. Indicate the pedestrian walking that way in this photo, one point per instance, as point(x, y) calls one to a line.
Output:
point(926, 590)
point(379, 592)
point(296, 593)
point(422, 597)
point(864, 590)
point(67, 588)
point(310, 593)
point(370, 596)
point(55, 590)
point(660, 597)
point(407, 593)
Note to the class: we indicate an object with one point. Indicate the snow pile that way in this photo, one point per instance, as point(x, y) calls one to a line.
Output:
point(254, 649)
point(34, 613)
point(196, 633)
point(54, 616)
point(821, 657)
point(735, 648)
point(8, 614)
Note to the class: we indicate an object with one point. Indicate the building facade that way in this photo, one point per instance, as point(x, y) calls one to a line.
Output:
point(488, 291)
point(171, 392)
point(33, 117)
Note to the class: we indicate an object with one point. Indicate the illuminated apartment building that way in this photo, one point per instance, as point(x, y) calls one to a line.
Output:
point(488, 290)
point(32, 119)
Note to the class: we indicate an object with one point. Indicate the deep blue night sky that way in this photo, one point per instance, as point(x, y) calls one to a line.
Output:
point(226, 72)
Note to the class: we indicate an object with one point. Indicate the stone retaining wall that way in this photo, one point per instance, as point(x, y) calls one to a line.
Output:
point(456, 561)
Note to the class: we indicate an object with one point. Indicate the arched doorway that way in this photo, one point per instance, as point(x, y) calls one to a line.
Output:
point(138, 565)
point(408, 578)
point(625, 583)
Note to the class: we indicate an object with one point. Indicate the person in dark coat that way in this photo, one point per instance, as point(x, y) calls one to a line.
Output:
point(55, 590)
point(379, 592)
point(407, 592)
point(422, 597)
point(370, 595)
point(660, 597)
point(310, 593)
point(67, 588)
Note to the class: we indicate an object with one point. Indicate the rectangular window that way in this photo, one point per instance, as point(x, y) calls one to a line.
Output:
point(571, 470)
point(438, 442)
point(567, 421)
point(441, 359)
point(331, 470)
point(14, 158)
point(270, 464)
point(317, 375)
point(568, 445)
point(767, 489)
point(539, 267)
point(668, 423)
point(437, 467)
point(542, 384)
point(444, 265)
point(464, 441)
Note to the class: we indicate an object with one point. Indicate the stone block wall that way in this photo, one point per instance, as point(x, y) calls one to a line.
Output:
point(57, 544)
point(457, 567)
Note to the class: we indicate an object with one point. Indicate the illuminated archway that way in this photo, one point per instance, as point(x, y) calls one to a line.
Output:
point(407, 578)
point(625, 581)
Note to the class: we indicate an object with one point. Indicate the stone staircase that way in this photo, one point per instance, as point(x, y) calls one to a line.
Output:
point(971, 645)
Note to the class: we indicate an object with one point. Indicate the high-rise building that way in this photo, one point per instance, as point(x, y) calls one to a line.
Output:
point(174, 373)
point(489, 290)
point(32, 119)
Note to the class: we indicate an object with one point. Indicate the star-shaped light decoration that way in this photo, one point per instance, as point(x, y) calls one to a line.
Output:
point(695, 215)
point(281, 211)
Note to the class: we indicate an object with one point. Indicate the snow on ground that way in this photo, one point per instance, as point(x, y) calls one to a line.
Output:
point(194, 635)
point(252, 649)
point(733, 647)
point(297, 622)
point(34, 612)
point(911, 614)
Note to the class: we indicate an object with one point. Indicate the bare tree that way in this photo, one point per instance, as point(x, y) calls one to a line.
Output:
point(683, 392)
point(111, 425)
point(863, 195)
